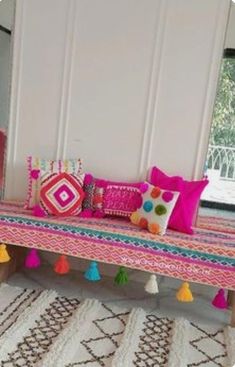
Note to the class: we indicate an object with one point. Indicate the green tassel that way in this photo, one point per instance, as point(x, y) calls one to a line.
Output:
point(122, 277)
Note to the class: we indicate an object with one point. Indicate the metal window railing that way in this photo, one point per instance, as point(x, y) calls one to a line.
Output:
point(223, 159)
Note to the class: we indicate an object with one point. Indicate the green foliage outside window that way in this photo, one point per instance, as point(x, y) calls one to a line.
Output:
point(223, 124)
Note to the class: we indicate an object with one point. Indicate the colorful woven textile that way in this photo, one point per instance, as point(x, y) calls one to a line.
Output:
point(207, 257)
point(217, 224)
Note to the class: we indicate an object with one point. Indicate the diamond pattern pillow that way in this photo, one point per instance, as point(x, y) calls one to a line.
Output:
point(61, 194)
point(39, 167)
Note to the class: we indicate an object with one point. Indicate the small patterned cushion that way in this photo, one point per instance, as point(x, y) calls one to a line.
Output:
point(94, 192)
point(155, 209)
point(38, 167)
point(121, 200)
point(110, 198)
point(61, 194)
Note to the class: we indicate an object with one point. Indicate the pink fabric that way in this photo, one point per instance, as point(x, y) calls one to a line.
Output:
point(190, 192)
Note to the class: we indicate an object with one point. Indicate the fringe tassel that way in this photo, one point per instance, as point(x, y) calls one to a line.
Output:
point(220, 301)
point(92, 273)
point(151, 286)
point(62, 265)
point(4, 256)
point(184, 293)
point(32, 259)
point(122, 277)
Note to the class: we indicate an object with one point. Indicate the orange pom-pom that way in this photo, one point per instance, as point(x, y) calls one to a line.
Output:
point(156, 191)
point(62, 265)
point(154, 228)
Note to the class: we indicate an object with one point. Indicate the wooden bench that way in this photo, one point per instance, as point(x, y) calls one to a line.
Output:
point(207, 257)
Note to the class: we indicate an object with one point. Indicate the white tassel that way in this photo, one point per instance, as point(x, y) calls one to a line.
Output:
point(151, 286)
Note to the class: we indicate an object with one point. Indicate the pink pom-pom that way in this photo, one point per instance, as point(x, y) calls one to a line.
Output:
point(35, 173)
point(220, 301)
point(167, 196)
point(88, 179)
point(38, 211)
point(98, 214)
point(32, 259)
point(144, 187)
point(86, 213)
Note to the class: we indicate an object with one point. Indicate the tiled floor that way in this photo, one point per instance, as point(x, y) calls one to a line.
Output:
point(219, 190)
point(131, 295)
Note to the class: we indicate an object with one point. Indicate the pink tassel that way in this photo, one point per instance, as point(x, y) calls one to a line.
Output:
point(86, 213)
point(144, 187)
point(38, 211)
point(220, 301)
point(88, 179)
point(32, 259)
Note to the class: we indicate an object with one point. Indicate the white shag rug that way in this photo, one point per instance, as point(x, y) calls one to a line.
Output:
point(39, 328)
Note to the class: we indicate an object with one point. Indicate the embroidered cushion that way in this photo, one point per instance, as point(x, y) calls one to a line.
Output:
point(104, 197)
point(61, 194)
point(155, 209)
point(38, 167)
point(121, 199)
point(190, 192)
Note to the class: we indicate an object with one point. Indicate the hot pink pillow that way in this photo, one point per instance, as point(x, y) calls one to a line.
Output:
point(104, 197)
point(183, 214)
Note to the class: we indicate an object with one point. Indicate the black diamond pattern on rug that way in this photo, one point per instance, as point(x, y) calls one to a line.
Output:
point(206, 345)
point(154, 342)
point(41, 337)
point(109, 331)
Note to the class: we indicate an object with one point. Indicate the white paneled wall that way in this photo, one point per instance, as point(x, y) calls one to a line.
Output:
point(5, 60)
point(123, 84)
point(230, 34)
point(7, 13)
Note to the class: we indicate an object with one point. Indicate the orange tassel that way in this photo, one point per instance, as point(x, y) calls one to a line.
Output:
point(62, 265)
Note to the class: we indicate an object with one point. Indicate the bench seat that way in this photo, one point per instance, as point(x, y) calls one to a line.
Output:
point(207, 257)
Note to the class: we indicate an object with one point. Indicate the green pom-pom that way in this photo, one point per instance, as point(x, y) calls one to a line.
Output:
point(122, 277)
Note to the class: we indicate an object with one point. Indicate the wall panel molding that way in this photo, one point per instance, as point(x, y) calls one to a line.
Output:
point(214, 65)
point(15, 96)
point(66, 81)
point(154, 85)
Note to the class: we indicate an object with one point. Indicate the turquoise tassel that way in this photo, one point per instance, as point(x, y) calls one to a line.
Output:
point(92, 273)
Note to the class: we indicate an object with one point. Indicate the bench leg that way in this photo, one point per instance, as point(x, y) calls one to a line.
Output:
point(17, 255)
point(231, 303)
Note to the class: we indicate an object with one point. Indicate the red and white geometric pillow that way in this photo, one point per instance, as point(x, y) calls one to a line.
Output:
point(38, 167)
point(61, 194)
